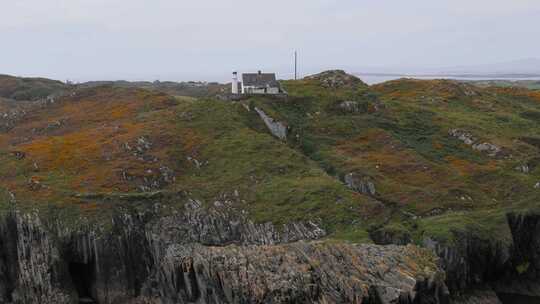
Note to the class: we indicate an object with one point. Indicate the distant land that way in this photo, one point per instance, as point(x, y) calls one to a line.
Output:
point(376, 78)
point(516, 68)
point(524, 69)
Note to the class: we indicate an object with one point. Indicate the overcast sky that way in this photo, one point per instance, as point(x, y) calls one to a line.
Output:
point(207, 39)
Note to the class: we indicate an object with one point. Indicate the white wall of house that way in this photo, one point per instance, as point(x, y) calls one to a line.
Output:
point(259, 90)
point(272, 91)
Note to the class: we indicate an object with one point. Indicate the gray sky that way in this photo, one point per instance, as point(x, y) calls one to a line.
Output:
point(207, 39)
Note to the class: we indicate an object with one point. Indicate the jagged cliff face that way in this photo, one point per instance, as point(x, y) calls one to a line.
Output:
point(505, 267)
point(200, 256)
point(211, 256)
point(304, 273)
point(523, 272)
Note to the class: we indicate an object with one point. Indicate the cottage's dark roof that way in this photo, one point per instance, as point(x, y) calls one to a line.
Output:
point(259, 80)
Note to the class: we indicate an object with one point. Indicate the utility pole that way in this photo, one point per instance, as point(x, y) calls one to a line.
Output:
point(295, 65)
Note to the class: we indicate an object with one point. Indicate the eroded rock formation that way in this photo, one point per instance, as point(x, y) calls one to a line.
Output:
point(204, 256)
point(362, 184)
point(505, 266)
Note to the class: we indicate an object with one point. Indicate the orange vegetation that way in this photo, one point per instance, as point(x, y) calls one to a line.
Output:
point(414, 89)
point(378, 152)
point(84, 143)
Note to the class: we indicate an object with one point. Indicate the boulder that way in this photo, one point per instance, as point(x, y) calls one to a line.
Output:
point(353, 106)
point(360, 183)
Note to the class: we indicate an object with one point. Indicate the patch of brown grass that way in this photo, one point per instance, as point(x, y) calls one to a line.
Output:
point(87, 153)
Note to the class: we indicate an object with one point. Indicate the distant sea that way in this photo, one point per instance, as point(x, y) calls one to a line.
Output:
point(376, 78)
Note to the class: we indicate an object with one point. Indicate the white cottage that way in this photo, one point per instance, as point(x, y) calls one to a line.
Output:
point(256, 83)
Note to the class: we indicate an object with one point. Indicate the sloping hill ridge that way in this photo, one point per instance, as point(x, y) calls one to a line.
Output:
point(116, 194)
point(18, 88)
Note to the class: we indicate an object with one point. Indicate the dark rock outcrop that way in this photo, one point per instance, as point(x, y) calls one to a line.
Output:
point(523, 268)
point(203, 256)
point(385, 236)
point(507, 266)
point(360, 183)
point(526, 243)
point(470, 260)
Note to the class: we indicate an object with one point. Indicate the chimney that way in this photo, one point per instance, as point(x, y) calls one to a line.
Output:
point(234, 88)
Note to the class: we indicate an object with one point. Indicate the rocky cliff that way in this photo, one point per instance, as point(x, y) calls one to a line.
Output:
point(204, 256)
point(511, 267)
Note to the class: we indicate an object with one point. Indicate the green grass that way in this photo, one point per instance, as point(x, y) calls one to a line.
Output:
point(275, 183)
point(428, 183)
point(420, 125)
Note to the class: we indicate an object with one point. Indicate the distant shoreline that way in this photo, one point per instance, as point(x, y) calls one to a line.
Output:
point(461, 75)
point(374, 78)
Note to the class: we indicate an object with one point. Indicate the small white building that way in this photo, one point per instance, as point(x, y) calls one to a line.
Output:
point(256, 83)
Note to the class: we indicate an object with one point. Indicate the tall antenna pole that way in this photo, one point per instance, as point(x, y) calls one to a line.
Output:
point(295, 65)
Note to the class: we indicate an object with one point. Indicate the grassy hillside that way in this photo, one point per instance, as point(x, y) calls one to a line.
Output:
point(109, 147)
point(17, 88)
point(528, 84)
point(190, 88)
point(399, 137)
